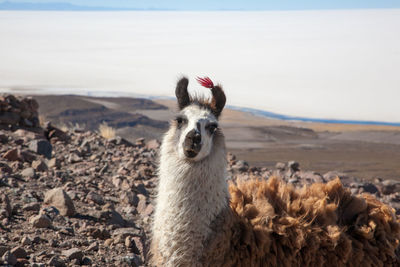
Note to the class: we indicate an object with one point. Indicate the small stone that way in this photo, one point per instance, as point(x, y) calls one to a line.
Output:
point(9, 258)
point(28, 173)
point(34, 206)
point(9, 118)
point(111, 216)
point(280, 166)
point(108, 242)
point(100, 233)
point(138, 247)
point(75, 262)
point(58, 198)
point(4, 168)
point(54, 163)
point(74, 158)
point(86, 261)
point(40, 221)
point(56, 261)
point(370, 188)
point(141, 206)
point(3, 137)
point(19, 252)
point(153, 144)
point(5, 205)
point(96, 198)
point(129, 197)
point(142, 189)
point(294, 166)
point(131, 260)
point(26, 241)
point(73, 253)
point(11, 155)
point(140, 141)
point(93, 247)
point(241, 166)
point(41, 147)
point(39, 165)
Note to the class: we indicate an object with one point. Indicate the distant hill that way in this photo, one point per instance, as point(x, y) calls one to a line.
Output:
point(89, 112)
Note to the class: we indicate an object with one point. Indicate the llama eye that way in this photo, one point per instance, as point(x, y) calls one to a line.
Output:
point(212, 128)
point(180, 121)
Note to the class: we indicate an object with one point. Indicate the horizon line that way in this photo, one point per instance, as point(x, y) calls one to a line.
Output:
point(65, 6)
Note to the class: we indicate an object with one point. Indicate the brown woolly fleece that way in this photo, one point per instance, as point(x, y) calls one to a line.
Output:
point(271, 223)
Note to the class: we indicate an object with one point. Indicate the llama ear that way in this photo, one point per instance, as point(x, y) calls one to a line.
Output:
point(181, 93)
point(218, 99)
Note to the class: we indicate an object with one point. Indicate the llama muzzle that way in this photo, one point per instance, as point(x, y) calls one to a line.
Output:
point(192, 144)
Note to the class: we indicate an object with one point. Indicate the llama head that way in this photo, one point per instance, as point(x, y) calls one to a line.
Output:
point(196, 124)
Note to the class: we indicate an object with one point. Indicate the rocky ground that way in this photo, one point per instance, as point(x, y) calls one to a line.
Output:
point(75, 198)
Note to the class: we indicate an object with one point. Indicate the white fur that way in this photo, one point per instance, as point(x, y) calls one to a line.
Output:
point(203, 117)
point(191, 192)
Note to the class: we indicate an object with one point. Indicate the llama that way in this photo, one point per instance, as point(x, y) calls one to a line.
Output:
point(201, 221)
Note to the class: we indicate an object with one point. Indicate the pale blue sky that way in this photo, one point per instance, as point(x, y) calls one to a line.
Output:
point(229, 4)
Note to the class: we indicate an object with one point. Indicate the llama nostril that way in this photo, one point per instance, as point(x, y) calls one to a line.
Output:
point(197, 138)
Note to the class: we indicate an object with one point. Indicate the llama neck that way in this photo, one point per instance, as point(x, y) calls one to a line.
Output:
point(190, 196)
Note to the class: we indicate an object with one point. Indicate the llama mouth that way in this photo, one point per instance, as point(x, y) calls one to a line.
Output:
point(190, 153)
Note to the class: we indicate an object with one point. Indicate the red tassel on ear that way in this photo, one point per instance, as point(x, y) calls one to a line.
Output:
point(206, 82)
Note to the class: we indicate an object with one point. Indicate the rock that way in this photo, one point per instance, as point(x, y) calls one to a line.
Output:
point(40, 221)
point(39, 165)
point(9, 258)
point(96, 198)
point(19, 252)
point(11, 155)
point(138, 245)
point(311, 177)
point(334, 174)
point(58, 135)
point(294, 166)
point(100, 233)
point(56, 261)
point(129, 197)
point(111, 216)
point(86, 261)
point(54, 163)
point(5, 205)
point(120, 234)
point(280, 166)
point(153, 144)
point(370, 188)
point(120, 141)
point(3, 249)
point(390, 187)
point(9, 118)
point(3, 137)
point(142, 190)
point(28, 173)
point(93, 247)
point(73, 253)
point(4, 168)
point(140, 142)
point(34, 206)
point(41, 147)
point(74, 158)
point(131, 260)
point(241, 166)
point(26, 156)
point(26, 241)
point(108, 242)
point(58, 198)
